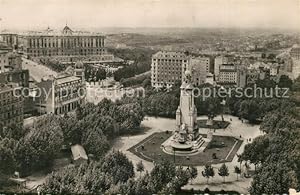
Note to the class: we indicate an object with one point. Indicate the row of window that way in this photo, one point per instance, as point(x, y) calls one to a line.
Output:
point(38, 43)
point(36, 53)
point(68, 107)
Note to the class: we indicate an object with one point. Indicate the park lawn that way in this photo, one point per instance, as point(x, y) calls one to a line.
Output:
point(220, 145)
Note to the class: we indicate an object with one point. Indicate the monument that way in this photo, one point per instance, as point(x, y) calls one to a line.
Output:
point(186, 138)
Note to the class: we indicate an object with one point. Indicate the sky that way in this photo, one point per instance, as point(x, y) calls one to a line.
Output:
point(32, 14)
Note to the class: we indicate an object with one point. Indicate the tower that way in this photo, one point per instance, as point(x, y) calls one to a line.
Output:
point(79, 70)
point(186, 114)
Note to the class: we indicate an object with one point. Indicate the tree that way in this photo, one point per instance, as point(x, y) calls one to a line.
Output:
point(129, 116)
point(257, 151)
point(95, 142)
point(162, 173)
point(146, 83)
point(296, 85)
point(118, 166)
point(140, 167)
point(85, 179)
point(285, 82)
point(238, 171)
point(7, 155)
point(208, 172)
point(40, 146)
point(223, 171)
point(181, 178)
point(193, 172)
point(250, 110)
point(272, 178)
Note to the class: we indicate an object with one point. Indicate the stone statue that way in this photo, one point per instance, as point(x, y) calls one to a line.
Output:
point(188, 76)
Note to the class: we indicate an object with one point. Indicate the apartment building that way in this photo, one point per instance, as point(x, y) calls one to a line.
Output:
point(60, 94)
point(167, 68)
point(11, 106)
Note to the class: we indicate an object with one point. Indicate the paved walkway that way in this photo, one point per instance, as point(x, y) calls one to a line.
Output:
point(37, 71)
point(236, 128)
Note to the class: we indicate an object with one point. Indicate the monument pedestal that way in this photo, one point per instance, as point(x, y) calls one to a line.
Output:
point(186, 139)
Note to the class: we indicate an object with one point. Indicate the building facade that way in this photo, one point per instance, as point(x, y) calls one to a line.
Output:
point(60, 95)
point(10, 39)
point(199, 68)
point(11, 106)
point(228, 74)
point(62, 46)
point(167, 68)
point(219, 60)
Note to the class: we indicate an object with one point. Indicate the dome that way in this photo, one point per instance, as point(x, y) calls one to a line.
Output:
point(79, 65)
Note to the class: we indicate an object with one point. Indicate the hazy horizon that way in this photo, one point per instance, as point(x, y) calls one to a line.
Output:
point(97, 14)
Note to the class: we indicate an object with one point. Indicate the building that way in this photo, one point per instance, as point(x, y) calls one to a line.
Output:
point(167, 68)
point(9, 59)
point(11, 106)
point(10, 39)
point(227, 74)
point(79, 70)
point(11, 73)
point(3, 60)
point(219, 60)
point(241, 77)
point(4, 51)
point(209, 78)
point(295, 55)
point(274, 69)
point(78, 154)
point(68, 46)
point(60, 95)
point(199, 66)
point(18, 77)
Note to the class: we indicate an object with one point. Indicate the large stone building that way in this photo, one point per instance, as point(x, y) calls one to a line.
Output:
point(167, 68)
point(11, 72)
point(67, 46)
point(10, 39)
point(60, 95)
point(11, 106)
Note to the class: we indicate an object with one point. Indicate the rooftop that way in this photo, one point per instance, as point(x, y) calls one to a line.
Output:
point(66, 31)
point(60, 79)
point(169, 54)
point(78, 152)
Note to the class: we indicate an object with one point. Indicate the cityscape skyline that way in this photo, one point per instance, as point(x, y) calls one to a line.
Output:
point(15, 14)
